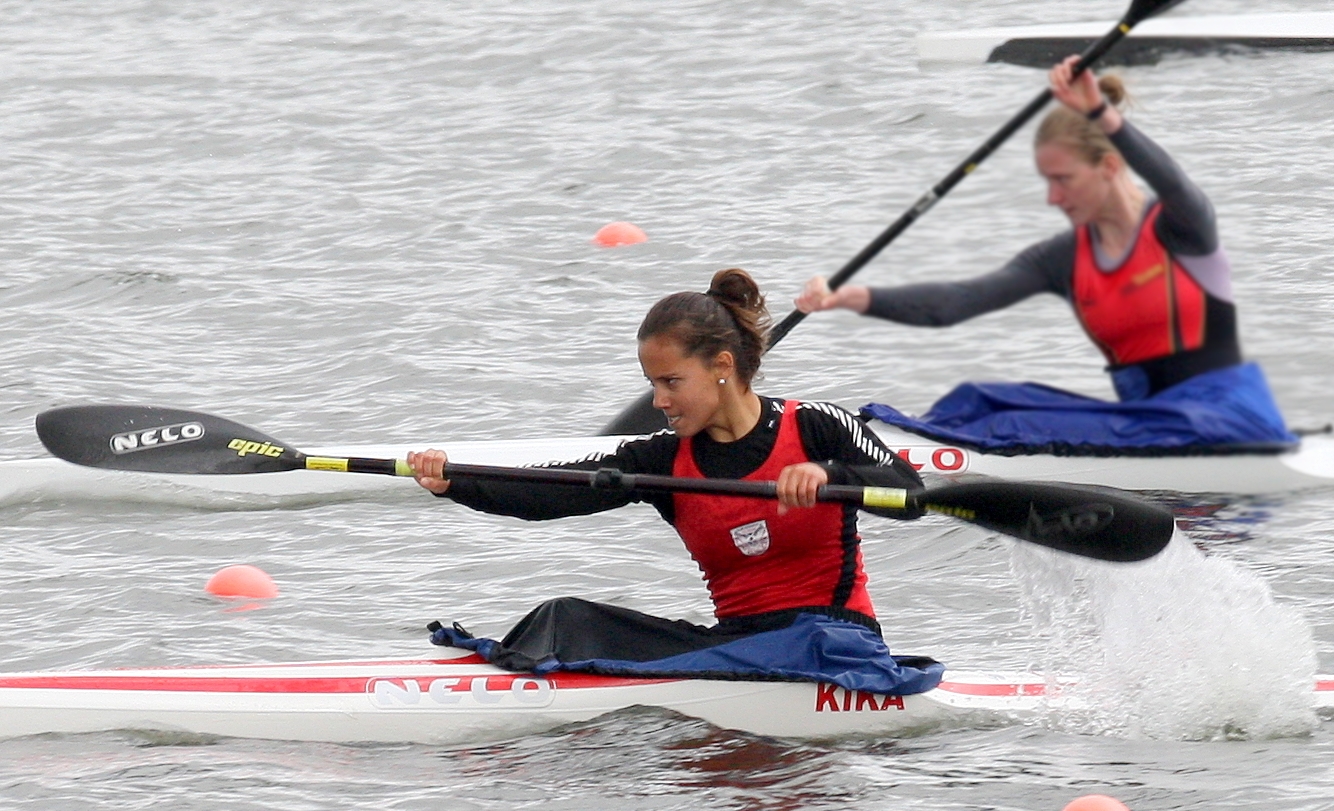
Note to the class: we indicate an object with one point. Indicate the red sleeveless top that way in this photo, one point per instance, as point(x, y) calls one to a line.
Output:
point(1147, 308)
point(755, 560)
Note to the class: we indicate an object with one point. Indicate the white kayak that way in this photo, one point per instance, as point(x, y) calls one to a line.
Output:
point(1042, 45)
point(463, 700)
point(1309, 466)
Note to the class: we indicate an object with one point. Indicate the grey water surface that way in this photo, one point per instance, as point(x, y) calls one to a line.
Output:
point(353, 223)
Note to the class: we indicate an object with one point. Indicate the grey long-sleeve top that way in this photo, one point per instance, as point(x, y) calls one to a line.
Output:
point(1186, 226)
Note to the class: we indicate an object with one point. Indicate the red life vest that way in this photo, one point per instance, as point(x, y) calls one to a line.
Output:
point(1147, 308)
point(755, 560)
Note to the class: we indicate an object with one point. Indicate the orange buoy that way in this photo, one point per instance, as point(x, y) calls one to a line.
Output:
point(242, 581)
point(616, 234)
point(1095, 802)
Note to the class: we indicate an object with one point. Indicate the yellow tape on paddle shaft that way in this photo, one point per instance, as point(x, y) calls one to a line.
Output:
point(891, 497)
point(326, 463)
point(337, 465)
point(897, 498)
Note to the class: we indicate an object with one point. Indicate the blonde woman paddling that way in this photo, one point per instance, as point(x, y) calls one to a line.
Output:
point(1146, 277)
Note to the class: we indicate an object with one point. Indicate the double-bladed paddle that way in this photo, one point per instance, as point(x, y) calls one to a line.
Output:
point(1093, 523)
point(640, 417)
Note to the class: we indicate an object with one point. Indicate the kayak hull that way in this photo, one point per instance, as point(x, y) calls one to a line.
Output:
point(464, 701)
point(457, 701)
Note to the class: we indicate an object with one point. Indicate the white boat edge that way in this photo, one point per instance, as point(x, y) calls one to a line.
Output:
point(463, 701)
point(976, 45)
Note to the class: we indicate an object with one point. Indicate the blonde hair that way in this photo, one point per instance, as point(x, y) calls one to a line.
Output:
point(1074, 131)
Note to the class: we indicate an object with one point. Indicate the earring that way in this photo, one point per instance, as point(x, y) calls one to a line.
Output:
point(722, 381)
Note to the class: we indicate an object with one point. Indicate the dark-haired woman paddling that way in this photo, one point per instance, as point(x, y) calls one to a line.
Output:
point(1147, 279)
point(786, 577)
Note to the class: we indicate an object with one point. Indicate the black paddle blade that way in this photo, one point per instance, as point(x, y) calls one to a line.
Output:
point(161, 440)
point(637, 419)
point(1090, 522)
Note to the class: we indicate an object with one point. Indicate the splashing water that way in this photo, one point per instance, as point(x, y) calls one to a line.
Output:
point(1183, 646)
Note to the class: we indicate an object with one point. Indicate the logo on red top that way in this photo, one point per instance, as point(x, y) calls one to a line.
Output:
point(752, 539)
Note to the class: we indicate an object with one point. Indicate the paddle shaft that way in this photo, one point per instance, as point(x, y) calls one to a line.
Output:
point(613, 479)
point(640, 417)
point(1094, 524)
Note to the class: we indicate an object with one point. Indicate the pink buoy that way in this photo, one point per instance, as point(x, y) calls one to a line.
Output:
point(616, 234)
point(242, 581)
point(1095, 802)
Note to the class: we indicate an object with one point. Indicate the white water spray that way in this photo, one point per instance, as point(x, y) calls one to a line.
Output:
point(1183, 646)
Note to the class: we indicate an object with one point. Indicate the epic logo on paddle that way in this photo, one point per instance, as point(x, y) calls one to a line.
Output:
point(149, 438)
point(244, 446)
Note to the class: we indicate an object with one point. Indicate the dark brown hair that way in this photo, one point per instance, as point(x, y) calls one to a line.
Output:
point(1075, 132)
point(731, 316)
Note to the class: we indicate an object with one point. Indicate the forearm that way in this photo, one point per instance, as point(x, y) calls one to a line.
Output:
point(539, 502)
point(534, 502)
point(1043, 267)
point(936, 304)
point(942, 304)
point(852, 454)
point(853, 297)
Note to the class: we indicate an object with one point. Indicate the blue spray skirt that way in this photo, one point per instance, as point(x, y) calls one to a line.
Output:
point(1224, 411)
point(813, 648)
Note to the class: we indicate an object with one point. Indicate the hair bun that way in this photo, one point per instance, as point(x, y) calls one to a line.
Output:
point(1113, 89)
point(735, 288)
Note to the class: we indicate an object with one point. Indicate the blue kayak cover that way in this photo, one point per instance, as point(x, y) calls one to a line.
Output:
point(1224, 411)
point(813, 648)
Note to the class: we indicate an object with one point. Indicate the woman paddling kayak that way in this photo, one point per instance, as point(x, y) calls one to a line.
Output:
point(786, 577)
point(1148, 281)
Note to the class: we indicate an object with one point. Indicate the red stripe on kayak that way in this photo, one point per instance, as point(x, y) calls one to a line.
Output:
point(290, 684)
point(469, 659)
point(1324, 686)
point(974, 689)
point(182, 684)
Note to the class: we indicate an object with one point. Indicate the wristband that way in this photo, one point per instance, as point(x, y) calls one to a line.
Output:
point(1096, 112)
